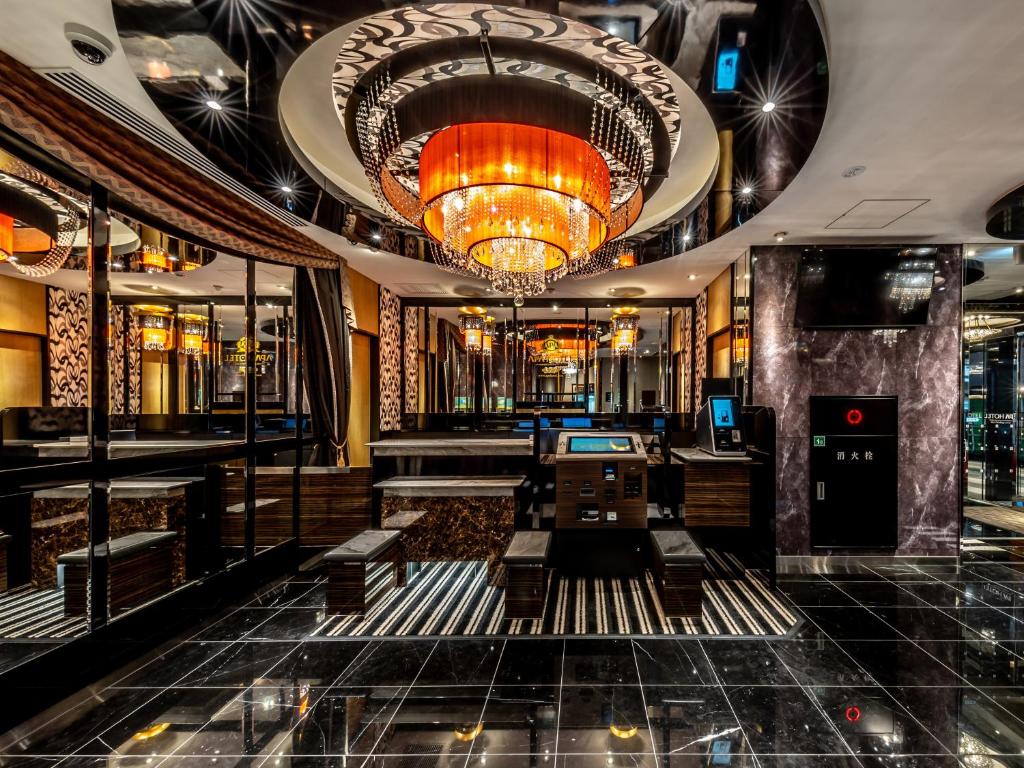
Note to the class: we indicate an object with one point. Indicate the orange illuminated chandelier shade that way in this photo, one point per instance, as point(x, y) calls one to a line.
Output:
point(625, 327)
point(6, 237)
point(517, 204)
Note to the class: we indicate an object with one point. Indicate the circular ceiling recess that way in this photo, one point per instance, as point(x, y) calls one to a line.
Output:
point(1005, 219)
point(522, 146)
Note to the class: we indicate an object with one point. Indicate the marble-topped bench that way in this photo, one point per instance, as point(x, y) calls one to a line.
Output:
point(526, 585)
point(453, 446)
point(678, 572)
point(140, 567)
point(354, 571)
point(451, 485)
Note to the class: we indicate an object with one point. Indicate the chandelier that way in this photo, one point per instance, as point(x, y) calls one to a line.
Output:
point(980, 327)
point(157, 326)
point(625, 324)
point(193, 334)
point(519, 205)
point(472, 322)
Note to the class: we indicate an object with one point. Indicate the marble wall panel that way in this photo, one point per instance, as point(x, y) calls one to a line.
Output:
point(920, 366)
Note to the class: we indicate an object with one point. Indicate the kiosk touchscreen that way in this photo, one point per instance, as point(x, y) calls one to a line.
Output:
point(720, 427)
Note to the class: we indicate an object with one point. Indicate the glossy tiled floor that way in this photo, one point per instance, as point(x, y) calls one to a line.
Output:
point(893, 667)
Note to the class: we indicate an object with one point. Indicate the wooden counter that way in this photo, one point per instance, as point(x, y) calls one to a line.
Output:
point(716, 489)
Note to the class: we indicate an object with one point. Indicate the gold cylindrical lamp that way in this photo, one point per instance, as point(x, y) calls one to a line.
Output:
point(472, 321)
point(157, 326)
point(488, 347)
point(625, 326)
point(192, 334)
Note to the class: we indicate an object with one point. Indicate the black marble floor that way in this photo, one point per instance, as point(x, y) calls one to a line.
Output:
point(898, 666)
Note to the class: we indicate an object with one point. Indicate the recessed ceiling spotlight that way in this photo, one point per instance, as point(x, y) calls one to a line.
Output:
point(1018, 290)
point(692, 277)
point(853, 170)
point(554, 307)
point(780, 236)
point(286, 189)
point(375, 236)
point(972, 252)
point(746, 190)
point(768, 106)
point(215, 105)
point(686, 237)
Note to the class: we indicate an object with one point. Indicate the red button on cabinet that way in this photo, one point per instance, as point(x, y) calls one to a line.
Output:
point(854, 417)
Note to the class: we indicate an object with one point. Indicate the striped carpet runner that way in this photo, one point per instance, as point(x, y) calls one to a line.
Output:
point(27, 612)
point(455, 599)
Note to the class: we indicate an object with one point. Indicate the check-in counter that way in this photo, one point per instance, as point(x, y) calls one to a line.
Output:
point(717, 489)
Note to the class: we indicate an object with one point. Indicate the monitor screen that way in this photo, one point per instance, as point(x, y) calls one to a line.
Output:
point(600, 444)
point(576, 422)
point(722, 412)
point(865, 287)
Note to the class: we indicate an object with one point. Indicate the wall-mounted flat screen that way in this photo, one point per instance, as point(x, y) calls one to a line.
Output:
point(865, 287)
point(597, 444)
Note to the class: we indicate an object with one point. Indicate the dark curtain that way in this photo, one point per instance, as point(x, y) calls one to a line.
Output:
point(326, 361)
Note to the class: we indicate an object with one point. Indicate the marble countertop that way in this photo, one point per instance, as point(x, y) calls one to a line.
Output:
point(454, 446)
point(696, 455)
point(363, 546)
point(120, 489)
point(468, 485)
point(677, 547)
point(400, 520)
point(64, 449)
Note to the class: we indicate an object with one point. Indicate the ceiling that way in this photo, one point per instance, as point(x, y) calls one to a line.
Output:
point(920, 95)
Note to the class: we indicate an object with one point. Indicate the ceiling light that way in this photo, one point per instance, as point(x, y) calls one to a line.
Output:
point(853, 170)
point(692, 277)
point(1018, 290)
point(215, 105)
point(686, 237)
point(768, 106)
point(746, 190)
point(375, 236)
point(972, 252)
point(780, 236)
point(286, 189)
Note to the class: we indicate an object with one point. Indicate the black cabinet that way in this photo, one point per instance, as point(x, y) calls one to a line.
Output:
point(853, 472)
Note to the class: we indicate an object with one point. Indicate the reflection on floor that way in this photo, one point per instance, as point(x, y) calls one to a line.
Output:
point(1009, 519)
point(899, 666)
point(455, 599)
point(26, 612)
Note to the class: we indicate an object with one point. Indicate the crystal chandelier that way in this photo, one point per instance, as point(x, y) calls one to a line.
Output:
point(625, 324)
point(980, 327)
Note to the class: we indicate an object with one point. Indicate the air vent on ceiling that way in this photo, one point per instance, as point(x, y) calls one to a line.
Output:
point(421, 289)
point(90, 93)
point(876, 214)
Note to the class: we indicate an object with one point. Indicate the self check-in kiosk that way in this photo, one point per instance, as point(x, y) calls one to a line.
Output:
point(601, 480)
point(720, 427)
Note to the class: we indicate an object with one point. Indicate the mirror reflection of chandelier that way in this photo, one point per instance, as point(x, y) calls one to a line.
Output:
point(192, 334)
point(625, 327)
point(157, 326)
point(980, 327)
point(472, 323)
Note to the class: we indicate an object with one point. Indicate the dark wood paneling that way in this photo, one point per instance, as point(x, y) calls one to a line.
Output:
point(569, 479)
point(524, 591)
point(680, 587)
point(716, 494)
point(332, 507)
point(134, 580)
point(349, 584)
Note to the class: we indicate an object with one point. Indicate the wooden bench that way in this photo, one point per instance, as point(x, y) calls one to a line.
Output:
point(525, 586)
point(354, 567)
point(140, 567)
point(678, 573)
point(5, 539)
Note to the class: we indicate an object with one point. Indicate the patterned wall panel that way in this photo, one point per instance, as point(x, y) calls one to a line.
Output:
point(390, 361)
point(411, 351)
point(700, 353)
point(125, 359)
point(67, 341)
point(687, 343)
